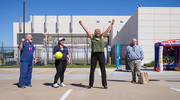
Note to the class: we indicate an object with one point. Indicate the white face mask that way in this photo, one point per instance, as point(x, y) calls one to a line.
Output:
point(30, 41)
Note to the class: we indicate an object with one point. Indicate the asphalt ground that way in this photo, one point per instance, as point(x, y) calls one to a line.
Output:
point(162, 85)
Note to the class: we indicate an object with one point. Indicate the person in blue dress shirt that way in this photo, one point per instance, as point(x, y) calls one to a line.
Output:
point(134, 55)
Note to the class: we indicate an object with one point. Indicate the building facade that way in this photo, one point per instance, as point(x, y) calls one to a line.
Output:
point(52, 27)
point(150, 25)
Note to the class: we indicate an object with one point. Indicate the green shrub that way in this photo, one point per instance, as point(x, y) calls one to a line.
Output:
point(151, 64)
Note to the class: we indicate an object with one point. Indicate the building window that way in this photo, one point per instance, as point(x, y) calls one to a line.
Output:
point(98, 21)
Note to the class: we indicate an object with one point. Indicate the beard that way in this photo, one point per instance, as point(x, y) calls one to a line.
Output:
point(30, 41)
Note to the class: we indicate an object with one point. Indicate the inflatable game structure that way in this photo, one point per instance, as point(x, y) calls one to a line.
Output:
point(167, 55)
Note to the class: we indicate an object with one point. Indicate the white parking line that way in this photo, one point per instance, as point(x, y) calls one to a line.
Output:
point(176, 89)
point(68, 72)
point(66, 94)
point(39, 72)
point(82, 94)
point(8, 72)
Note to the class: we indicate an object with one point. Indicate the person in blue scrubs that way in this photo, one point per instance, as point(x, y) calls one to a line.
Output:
point(27, 50)
point(60, 64)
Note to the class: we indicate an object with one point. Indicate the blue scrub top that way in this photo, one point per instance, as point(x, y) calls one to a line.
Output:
point(27, 52)
point(63, 50)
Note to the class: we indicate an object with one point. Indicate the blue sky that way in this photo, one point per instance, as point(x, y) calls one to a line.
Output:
point(10, 10)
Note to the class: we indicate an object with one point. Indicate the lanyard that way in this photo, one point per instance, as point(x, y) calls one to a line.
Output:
point(30, 48)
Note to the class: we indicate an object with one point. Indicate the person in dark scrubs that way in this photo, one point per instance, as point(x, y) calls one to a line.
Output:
point(60, 64)
point(97, 49)
point(27, 50)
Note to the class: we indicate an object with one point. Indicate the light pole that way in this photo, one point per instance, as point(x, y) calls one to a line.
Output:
point(24, 3)
point(117, 53)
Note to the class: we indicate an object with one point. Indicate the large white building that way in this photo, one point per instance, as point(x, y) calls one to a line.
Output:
point(147, 24)
point(67, 26)
point(64, 24)
point(150, 25)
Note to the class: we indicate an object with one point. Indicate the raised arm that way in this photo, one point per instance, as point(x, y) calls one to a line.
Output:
point(21, 45)
point(107, 30)
point(88, 33)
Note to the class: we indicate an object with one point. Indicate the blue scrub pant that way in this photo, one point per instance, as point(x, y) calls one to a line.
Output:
point(25, 73)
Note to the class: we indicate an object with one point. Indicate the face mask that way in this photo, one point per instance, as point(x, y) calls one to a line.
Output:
point(30, 41)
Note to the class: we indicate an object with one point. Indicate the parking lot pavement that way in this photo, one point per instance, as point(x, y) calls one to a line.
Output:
point(162, 86)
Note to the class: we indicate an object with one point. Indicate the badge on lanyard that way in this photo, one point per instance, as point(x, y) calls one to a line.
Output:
point(30, 48)
point(97, 39)
point(62, 49)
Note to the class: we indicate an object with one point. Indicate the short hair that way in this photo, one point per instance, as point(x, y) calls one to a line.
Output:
point(27, 35)
point(97, 29)
point(134, 39)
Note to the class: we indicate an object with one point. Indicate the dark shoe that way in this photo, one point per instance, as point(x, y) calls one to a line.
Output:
point(89, 87)
point(133, 81)
point(22, 87)
point(29, 85)
point(105, 87)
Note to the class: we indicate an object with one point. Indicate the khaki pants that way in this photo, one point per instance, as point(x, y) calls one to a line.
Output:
point(135, 68)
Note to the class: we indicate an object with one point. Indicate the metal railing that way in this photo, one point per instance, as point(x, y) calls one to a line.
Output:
point(79, 55)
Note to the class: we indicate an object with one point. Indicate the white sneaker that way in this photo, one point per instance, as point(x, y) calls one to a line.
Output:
point(55, 85)
point(62, 84)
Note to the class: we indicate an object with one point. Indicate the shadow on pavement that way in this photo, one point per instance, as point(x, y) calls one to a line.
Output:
point(98, 87)
point(85, 86)
point(17, 84)
point(48, 84)
point(143, 68)
point(172, 80)
point(118, 80)
point(123, 70)
point(79, 85)
point(153, 80)
point(147, 69)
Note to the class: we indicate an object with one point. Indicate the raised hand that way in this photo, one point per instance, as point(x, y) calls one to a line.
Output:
point(107, 30)
point(113, 21)
point(22, 40)
point(21, 44)
point(88, 33)
point(80, 22)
